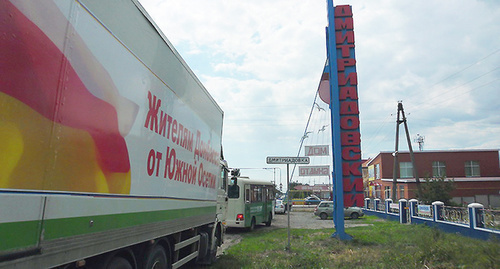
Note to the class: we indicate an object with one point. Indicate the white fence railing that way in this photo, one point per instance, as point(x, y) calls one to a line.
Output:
point(474, 221)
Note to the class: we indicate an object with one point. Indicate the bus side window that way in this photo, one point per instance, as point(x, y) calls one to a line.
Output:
point(247, 196)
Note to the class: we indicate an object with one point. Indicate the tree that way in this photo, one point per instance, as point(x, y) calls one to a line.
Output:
point(437, 189)
point(294, 184)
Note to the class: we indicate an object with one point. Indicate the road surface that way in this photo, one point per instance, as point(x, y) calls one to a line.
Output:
point(303, 219)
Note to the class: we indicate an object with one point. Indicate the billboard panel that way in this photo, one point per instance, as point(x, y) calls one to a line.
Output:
point(318, 150)
point(310, 171)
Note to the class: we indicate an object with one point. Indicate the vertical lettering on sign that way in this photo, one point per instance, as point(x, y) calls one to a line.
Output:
point(349, 112)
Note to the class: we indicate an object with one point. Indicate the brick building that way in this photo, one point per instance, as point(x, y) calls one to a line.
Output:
point(476, 174)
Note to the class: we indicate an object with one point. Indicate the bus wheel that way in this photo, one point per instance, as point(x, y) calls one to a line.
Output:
point(156, 258)
point(252, 225)
point(268, 223)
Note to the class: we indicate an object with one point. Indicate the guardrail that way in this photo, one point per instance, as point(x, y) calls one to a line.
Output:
point(473, 221)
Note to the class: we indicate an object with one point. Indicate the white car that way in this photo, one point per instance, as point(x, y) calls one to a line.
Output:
point(279, 208)
point(325, 210)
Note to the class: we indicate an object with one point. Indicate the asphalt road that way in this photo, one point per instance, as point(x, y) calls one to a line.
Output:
point(303, 219)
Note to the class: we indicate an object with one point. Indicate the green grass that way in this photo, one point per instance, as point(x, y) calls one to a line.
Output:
point(384, 244)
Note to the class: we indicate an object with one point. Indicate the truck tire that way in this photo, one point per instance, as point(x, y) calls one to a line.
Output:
point(156, 258)
point(323, 216)
point(208, 248)
point(212, 252)
point(118, 262)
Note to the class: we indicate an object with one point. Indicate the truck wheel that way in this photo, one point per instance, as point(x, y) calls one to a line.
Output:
point(323, 216)
point(208, 247)
point(270, 219)
point(156, 258)
point(119, 263)
point(212, 255)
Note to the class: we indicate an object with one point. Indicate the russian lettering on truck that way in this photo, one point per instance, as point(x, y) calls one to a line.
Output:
point(110, 147)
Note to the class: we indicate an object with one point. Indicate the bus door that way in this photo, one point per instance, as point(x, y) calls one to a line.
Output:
point(248, 204)
point(266, 202)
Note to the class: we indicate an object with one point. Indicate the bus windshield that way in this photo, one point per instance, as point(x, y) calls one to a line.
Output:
point(233, 191)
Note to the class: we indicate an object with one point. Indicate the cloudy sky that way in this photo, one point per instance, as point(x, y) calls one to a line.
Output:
point(262, 61)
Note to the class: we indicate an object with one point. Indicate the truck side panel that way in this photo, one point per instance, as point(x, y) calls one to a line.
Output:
point(105, 132)
point(20, 221)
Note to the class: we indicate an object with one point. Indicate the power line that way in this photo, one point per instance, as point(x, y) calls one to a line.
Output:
point(456, 73)
point(427, 103)
point(461, 85)
point(422, 105)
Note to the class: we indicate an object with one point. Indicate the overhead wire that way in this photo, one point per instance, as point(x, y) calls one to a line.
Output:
point(305, 131)
point(428, 102)
point(471, 65)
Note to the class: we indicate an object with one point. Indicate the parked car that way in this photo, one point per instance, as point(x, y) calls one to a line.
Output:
point(284, 200)
point(325, 210)
point(312, 200)
point(279, 208)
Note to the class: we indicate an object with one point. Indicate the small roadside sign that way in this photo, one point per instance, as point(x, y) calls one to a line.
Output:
point(287, 160)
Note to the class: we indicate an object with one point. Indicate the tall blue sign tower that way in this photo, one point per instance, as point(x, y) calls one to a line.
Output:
point(346, 139)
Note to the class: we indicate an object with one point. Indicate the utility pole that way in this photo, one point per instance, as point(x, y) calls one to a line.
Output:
point(395, 154)
point(395, 171)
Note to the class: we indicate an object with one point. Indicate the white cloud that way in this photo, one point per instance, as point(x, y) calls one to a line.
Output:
point(262, 61)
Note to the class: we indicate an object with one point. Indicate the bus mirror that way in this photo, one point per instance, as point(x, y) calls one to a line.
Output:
point(235, 172)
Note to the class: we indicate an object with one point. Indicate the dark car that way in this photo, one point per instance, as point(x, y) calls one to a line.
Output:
point(311, 200)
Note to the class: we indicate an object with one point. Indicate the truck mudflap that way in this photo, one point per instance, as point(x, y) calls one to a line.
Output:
point(210, 240)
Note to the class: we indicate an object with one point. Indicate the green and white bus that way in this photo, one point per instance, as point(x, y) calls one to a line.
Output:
point(250, 202)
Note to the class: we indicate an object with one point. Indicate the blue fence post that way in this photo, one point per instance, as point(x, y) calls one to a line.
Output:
point(436, 210)
point(403, 213)
point(375, 203)
point(367, 203)
point(388, 203)
point(413, 208)
point(476, 215)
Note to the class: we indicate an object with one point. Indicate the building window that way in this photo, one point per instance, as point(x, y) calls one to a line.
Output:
point(401, 192)
point(377, 192)
point(387, 192)
point(472, 169)
point(377, 171)
point(439, 169)
point(406, 170)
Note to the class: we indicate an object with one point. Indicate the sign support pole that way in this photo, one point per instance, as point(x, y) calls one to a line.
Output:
point(288, 161)
point(288, 247)
point(338, 202)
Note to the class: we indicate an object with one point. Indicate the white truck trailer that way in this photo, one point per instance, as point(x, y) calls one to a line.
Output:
point(110, 147)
